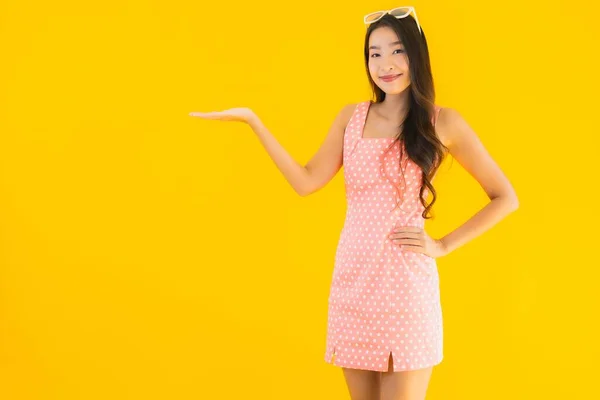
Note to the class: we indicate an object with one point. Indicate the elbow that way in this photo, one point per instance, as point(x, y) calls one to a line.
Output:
point(510, 202)
point(303, 192)
point(307, 187)
point(513, 202)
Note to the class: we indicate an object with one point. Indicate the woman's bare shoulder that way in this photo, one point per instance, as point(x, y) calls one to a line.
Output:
point(443, 123)
point(450, 125)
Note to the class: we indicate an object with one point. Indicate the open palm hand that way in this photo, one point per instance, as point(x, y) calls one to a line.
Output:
point(240, 114)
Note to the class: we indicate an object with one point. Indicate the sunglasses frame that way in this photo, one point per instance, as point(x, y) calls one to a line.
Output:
point(411, 9)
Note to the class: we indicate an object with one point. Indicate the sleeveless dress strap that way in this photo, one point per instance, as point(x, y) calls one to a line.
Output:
point(436, 115)
point(354, 127)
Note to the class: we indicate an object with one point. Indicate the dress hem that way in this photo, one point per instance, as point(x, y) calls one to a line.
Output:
point(332, 361)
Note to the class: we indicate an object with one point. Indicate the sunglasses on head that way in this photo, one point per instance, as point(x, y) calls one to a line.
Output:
point(398, 12)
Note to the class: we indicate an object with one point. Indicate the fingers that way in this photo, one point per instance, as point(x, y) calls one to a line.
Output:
point(416, 249)
point(219, 115)
point(407, 232)
point(409, 235)
point(410, 238)
point(409, 242)
point(205, 115)
point(408, 229)
point(416, 246)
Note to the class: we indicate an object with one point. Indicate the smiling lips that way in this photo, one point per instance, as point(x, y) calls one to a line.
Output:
point(389, 78)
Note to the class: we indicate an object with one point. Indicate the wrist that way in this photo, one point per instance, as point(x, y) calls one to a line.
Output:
point(253, 120)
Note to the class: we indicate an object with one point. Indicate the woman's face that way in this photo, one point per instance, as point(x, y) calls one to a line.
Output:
point(387, 57)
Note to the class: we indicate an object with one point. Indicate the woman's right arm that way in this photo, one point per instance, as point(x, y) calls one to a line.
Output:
point(321, 168)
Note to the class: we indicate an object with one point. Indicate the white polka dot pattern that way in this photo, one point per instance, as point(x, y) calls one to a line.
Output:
point(382, 299)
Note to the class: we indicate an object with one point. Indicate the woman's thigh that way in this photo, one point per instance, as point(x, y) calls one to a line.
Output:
point(362, 384)
point(404, 385)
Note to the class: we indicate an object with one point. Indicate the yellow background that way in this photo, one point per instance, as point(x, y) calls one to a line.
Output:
point(145, 254)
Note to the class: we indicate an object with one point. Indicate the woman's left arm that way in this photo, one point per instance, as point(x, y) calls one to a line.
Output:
point(464, 145)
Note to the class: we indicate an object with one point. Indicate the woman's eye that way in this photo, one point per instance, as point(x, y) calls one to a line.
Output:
point(376, 54)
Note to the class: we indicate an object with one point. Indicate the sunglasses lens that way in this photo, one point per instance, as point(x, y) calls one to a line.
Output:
point(373, 17)
point(400, 12)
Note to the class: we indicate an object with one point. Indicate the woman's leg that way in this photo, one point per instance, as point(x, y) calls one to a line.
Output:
point(404, 385)
point(362, 384)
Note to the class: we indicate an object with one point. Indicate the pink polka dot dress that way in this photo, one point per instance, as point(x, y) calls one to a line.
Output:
point(383, 300)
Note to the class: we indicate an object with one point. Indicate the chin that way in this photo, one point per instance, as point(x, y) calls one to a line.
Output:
point(395, 90)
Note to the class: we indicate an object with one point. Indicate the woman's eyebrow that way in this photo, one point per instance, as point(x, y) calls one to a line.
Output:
point(390, 45)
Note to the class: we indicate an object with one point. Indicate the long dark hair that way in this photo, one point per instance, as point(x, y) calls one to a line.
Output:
point(417, 133)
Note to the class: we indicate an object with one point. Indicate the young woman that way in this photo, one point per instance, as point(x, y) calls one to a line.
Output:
point(385, 320)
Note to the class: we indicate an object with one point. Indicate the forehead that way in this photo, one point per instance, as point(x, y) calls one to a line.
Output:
point(382, 38)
